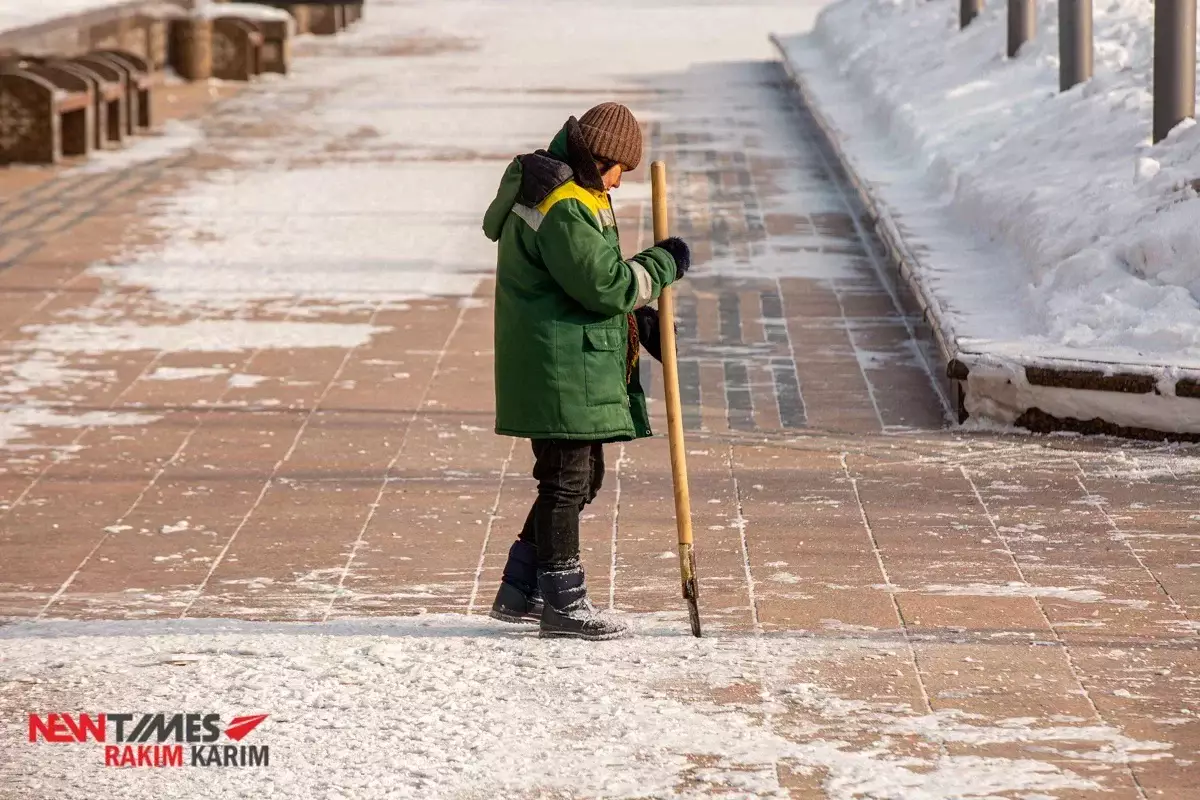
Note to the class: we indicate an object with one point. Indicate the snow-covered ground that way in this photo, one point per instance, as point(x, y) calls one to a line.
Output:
point(1046, 225)
point(451, 706)
point(24, 13)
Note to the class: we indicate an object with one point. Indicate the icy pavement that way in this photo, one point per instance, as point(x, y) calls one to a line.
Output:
point(248, 378)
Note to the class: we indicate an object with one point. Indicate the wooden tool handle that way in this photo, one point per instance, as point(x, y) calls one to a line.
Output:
point(666, 324)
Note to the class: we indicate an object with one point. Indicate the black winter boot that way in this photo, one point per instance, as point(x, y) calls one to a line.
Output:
point(519, 599)
point(569, 613)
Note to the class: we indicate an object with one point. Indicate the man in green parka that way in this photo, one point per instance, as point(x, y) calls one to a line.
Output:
point(570, 314)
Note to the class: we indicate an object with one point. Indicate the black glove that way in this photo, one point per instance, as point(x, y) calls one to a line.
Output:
point(648, 331)
point(679, 251)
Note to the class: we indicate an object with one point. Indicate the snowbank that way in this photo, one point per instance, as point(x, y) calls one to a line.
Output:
point(24, 13)
point(1047, 226)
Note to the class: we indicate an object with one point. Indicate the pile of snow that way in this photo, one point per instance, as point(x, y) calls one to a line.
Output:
point(1047, 224)
point(16, 14)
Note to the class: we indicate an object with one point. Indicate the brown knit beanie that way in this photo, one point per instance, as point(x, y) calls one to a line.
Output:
point(612, 134)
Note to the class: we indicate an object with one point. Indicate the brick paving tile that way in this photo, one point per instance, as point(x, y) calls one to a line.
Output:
point(957, 585)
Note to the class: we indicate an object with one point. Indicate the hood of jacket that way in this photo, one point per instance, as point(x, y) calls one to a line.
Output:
point(529, 179)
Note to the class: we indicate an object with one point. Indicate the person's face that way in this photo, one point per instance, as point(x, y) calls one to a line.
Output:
point(612, 177)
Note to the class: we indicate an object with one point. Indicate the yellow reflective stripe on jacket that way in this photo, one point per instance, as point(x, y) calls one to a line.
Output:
point(596, 202)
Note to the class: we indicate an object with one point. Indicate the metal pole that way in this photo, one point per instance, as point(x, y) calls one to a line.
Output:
point(1074, 43)
point(1174, 64)
point(1022, 23)
point(968, 10)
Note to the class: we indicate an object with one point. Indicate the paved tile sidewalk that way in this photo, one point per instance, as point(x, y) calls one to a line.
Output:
point(331, 458)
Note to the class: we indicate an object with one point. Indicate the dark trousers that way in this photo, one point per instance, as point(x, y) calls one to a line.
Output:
point(569, 475)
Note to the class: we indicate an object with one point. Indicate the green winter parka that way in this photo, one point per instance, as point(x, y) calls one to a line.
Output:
point(565, 358)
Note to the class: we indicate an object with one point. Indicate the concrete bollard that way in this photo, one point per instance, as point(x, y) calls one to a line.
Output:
point(1174, 64)
point(1022, 24)
point(968, 10)
point(1075, 50)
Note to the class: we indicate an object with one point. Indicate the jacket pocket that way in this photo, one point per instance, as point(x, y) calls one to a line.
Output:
point(604, 364)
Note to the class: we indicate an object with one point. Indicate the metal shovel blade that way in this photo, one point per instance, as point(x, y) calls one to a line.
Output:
point(691, 588)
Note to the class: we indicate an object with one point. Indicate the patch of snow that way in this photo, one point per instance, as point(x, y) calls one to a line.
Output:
point(249, 583)
point(208, 10)
point(264, 235)
point(838, 625)
point(1015, 589)
point(197, 336)
point(243, 381)
point(184, 373)
point(15, 423)
point(172, 138)
point(26, 372)
point(955, 726)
